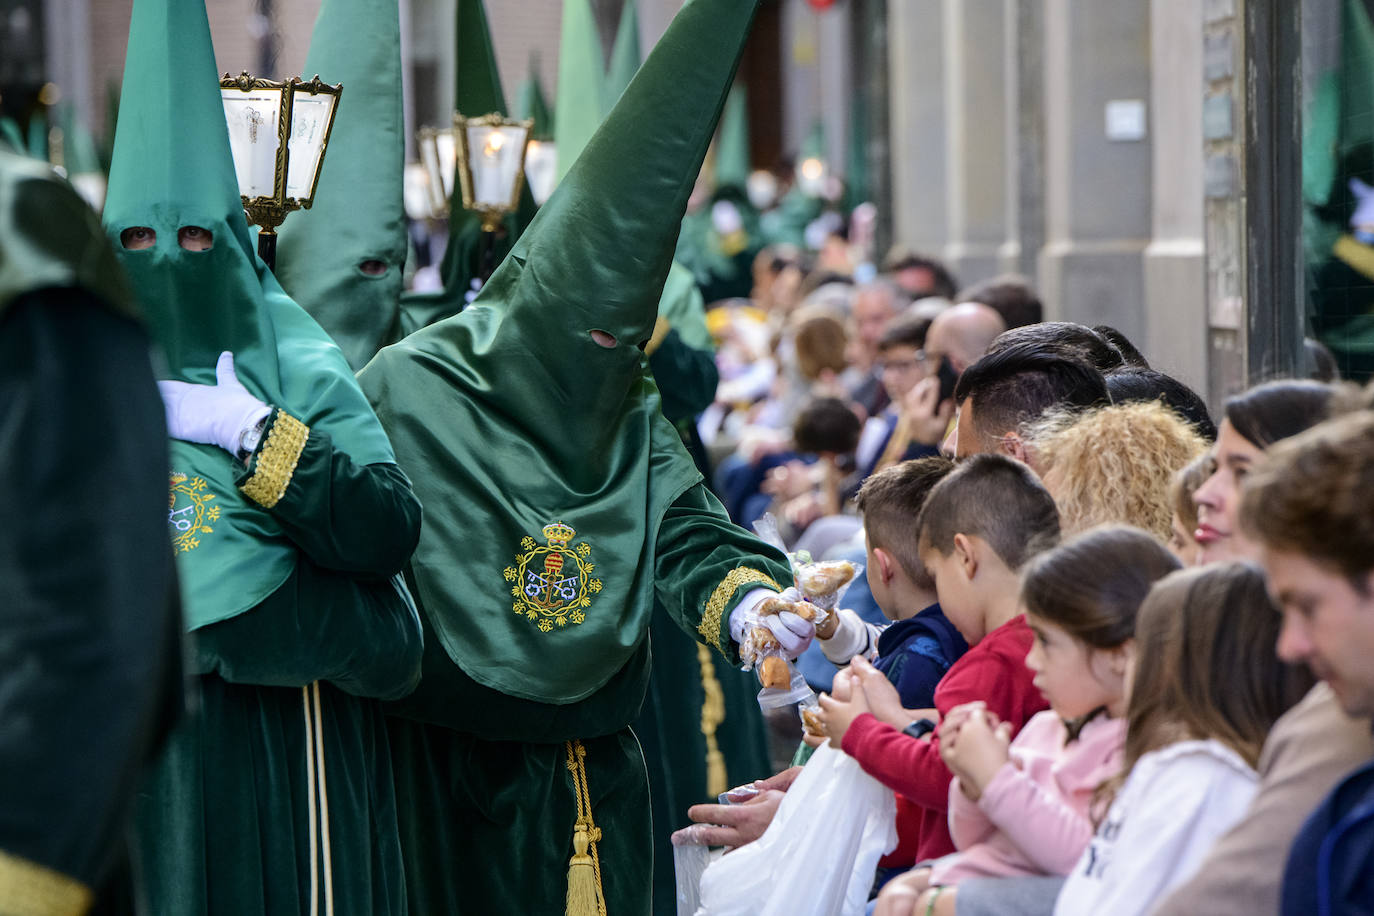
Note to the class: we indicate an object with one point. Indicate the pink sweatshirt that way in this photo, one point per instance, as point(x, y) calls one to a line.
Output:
point(1033, 818)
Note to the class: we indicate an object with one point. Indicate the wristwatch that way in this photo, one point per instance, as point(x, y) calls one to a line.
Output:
point(920, 728)
point(249, 439)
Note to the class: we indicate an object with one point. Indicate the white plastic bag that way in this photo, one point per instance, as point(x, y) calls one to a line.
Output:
point(818, 855)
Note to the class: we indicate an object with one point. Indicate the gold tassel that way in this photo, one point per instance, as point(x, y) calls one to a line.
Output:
point(712, 715)
point(585, 896)
point(581, 876)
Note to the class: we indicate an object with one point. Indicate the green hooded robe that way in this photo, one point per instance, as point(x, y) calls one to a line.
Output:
point(90, 651)
point(277, 796)
point(559, 506)
point(341, 260)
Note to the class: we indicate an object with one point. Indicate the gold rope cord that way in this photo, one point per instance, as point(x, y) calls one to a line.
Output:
point(585, 897)
point(30, 889)
point(325, 845)
point(310, 801)
point(715, 607)
point(712, 715)
point(274, 465)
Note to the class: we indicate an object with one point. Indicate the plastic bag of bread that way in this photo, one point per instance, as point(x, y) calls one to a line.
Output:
point(782, 684)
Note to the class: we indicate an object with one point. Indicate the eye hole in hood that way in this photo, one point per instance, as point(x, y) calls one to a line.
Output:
point(136, 238)
point(603, 339)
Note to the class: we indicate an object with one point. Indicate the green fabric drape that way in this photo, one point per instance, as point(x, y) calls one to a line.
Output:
point(52, 239)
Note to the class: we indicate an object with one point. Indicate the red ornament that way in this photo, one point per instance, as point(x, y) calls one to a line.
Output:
point(821, 4)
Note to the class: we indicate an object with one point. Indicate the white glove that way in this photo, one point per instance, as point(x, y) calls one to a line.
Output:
point(213, 414)
point(793, 633)
point(1363, 217)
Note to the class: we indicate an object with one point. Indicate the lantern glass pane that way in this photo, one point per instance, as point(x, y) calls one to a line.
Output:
point(252, 118)
point(309, 129)
point(416, 192)
point(541, 164)
point(494, 158)
point(448, 161)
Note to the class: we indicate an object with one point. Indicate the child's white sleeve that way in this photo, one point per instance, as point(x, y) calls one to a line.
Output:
point(853, 636)
point(1159, 829)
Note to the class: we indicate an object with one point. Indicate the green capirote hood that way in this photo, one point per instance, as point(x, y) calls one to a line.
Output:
point(172, 169)
point(542, 459)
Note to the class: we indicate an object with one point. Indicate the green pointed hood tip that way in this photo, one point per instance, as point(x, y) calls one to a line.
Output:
point(477, 91)
point(625, 55)
point(172, 142)
point(532, 104)
point(604, 241)
point(358, 214)
point(732, 146)
point(581, 83)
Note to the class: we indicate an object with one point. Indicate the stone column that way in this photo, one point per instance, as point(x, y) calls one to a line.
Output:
point(977, 137)
point(1097, 189)
point(918, 126)
point(1175, 269)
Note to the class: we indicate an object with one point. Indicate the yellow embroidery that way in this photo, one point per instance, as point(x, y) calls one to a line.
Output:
point(275, 464)
point(553, 584)
point(188, 511)
point(30, 889)
point(715, 608)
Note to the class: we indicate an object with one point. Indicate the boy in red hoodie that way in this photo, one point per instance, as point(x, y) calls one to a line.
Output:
point(978, 528)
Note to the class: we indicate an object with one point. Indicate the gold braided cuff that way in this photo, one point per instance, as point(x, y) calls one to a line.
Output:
point(276, 461)
point(710, 626)
point(30, 889)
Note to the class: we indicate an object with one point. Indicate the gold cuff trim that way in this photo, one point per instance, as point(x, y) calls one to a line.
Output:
point(30, 889)
point(276, 462)
point(709, 627)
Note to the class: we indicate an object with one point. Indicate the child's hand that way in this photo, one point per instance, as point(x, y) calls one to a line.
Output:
point(949, 727)
point(899, 896)
point(837, 713)
point(882, 698)
point(976, 751)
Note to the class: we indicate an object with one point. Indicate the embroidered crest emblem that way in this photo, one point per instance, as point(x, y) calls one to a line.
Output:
point(553, 585)
point(189, 511)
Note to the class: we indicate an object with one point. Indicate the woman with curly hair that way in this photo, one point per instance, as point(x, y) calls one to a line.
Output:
point(1114, 464)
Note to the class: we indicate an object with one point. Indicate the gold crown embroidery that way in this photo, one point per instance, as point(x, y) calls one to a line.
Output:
point(552, 584)
point(189, 511)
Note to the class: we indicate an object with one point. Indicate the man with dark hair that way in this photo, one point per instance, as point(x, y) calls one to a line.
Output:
point(919, 275)
point(1011, 295)
point(1066, 335)
point(901, 366)
point(1014, 384)
point(1130, 383)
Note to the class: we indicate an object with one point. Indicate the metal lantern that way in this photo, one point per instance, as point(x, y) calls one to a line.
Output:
point(491, 164)
point(439, 157)
point(278, 134)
